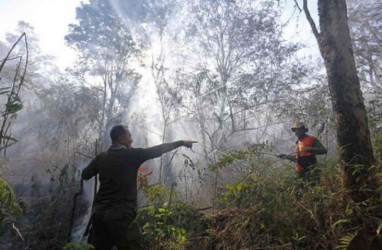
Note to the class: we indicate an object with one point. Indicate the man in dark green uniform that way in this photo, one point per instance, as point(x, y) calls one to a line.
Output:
point(115, 204)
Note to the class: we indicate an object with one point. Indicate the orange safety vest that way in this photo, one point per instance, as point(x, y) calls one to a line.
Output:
point(307, 141)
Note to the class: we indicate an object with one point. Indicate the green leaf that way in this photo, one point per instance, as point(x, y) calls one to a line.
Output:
point(339, 222)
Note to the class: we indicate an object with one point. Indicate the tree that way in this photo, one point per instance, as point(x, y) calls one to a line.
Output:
point(352, 129)
point(106, 49)
point(353, 134)
point(366, 31)
point(69, 112)
point(40, 65)
point(243, 65)
point(159, 14)
point(42, 75)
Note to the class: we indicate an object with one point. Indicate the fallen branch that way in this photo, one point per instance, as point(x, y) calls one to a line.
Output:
point(17, 231)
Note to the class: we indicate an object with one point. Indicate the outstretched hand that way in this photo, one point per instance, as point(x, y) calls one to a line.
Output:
point(188, 144)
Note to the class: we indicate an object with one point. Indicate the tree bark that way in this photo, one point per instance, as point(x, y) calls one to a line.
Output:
point(353, 134)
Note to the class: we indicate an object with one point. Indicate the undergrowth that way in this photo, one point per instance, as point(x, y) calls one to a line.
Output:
point(268, 208)
point(44, 223)
point(263, 207)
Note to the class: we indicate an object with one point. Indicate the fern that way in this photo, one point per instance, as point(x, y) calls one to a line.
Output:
point(8, 204)
point(77, 246)
point(345, 241)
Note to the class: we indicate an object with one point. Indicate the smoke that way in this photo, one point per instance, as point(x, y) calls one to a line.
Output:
point(81, 223)
point(132, 13)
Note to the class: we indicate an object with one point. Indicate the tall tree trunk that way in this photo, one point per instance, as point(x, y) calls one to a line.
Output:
point(352, 129)
point(353, 134)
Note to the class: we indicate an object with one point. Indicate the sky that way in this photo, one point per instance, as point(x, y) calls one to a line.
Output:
point(298, 28)
point(50, 18)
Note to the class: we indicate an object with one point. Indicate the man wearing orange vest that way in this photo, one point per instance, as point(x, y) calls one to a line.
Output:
point(307, 147)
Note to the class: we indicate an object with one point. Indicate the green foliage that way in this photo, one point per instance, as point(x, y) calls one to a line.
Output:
point(77, 246)
point(265, 208)
point(377, 144)
point(10, 208)
point(13, 105)
point(269, 208)
point(159, 231)
point(345, 241)
point(155, 228)
point(45, 223)
point(252, 152)
point(100, 30)
point(167, 226)
point(158, 194)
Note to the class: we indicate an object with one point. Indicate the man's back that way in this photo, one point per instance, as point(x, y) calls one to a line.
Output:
point(118, 177)
point(117, 168)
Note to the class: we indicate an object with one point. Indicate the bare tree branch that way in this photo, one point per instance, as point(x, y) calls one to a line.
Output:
point(310, 20)
point(10, 51)
point(297, 5)
point(17, 231)
point(6, 123)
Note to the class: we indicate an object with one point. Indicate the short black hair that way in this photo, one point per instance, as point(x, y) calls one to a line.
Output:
point(117, 131)
point(306, 130)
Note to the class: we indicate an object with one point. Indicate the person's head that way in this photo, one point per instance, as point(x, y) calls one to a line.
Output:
point(120, 134)
point(299, 129)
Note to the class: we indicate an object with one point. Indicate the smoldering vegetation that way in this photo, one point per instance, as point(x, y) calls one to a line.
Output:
point(219, 72)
